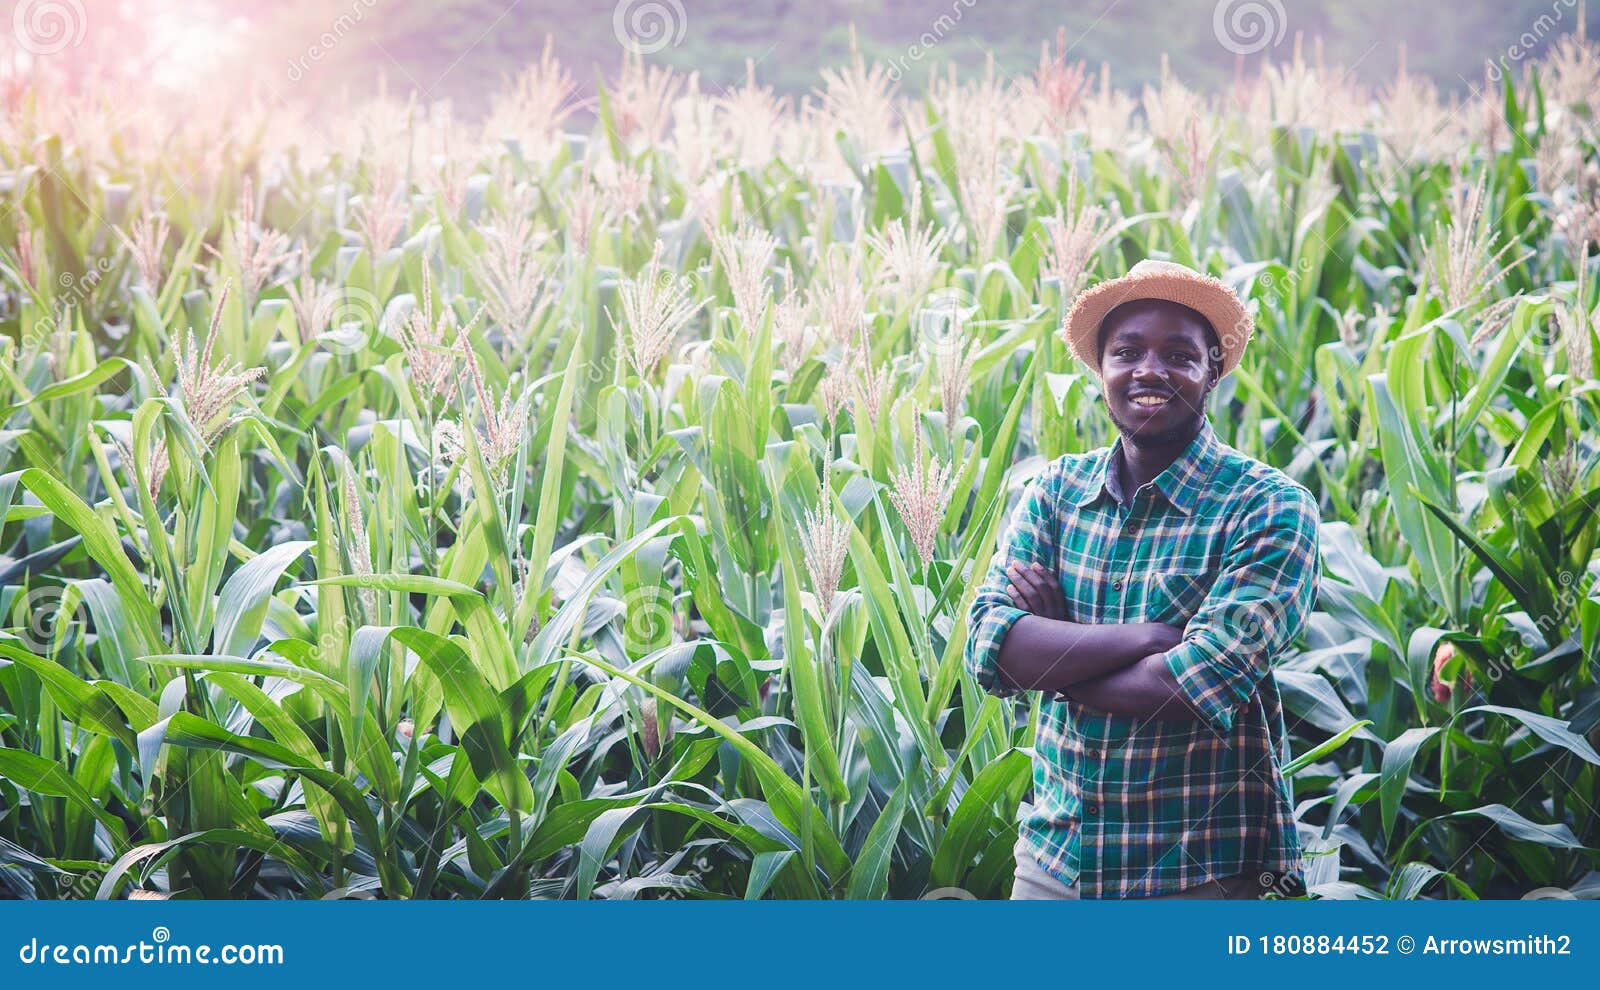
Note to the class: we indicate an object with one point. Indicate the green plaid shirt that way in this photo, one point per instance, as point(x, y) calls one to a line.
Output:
point(1226, 547)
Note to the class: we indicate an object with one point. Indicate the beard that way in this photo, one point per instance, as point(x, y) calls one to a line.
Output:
point(1182, 430)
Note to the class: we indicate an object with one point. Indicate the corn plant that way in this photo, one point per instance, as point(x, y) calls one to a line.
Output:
point(590, 508)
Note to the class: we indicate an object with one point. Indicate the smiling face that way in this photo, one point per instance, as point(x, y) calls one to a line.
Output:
point(1158, 362)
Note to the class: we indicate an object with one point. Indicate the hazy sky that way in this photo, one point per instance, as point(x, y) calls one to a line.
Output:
point(312, 49)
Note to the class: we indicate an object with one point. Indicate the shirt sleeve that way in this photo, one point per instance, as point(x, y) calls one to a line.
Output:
point(1029, 537)
point(1255, 610)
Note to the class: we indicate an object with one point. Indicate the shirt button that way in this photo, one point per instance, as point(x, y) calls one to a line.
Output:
point(1091, 809)
point(1116, 586)
point(1133, 527)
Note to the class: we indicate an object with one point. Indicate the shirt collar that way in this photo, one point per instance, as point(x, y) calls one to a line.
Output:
point(1181, 482)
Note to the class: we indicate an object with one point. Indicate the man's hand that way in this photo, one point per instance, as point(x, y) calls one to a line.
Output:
point(1144, 689)
point(1036, 590)
point(1047, 651)
point(1163, 636)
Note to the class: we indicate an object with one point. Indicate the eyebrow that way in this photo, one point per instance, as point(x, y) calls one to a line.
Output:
point(1129, 334)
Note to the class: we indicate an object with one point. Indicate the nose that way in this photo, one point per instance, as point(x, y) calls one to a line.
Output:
point(1150, 368)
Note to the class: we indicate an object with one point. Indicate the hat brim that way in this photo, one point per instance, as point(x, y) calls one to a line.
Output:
point(1205, 295)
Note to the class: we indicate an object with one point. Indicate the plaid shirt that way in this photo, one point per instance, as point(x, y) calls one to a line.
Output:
point(1226, 547)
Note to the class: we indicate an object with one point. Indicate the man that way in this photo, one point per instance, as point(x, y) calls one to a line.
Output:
point(1147, 589)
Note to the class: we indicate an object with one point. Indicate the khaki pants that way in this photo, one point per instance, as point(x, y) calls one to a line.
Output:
point(1034, 883)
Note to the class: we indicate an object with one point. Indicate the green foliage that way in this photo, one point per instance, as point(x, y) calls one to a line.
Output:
point(574, 617)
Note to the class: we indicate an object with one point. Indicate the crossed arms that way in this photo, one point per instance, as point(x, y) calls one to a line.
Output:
point(1021, 639)
point(1117, 668)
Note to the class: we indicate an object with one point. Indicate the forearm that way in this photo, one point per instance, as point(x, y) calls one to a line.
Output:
point(1143, 689)
point(1040, 654)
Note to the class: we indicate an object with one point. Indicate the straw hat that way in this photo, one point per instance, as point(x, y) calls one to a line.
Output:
point(1152, 279)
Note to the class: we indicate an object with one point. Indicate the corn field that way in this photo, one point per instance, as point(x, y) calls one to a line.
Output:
point(585, 502)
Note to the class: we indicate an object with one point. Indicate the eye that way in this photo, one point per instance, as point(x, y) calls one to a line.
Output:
point(1184, 357)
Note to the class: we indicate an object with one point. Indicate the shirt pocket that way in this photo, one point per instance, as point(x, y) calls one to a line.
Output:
point(1173, 596)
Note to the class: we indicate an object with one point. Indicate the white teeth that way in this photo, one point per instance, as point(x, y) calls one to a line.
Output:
point(1149, 400)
